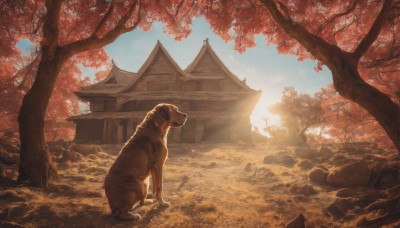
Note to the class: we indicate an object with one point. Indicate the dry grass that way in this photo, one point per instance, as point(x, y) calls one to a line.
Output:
point(207, 185)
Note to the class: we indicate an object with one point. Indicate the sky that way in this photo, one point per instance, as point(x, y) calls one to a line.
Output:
point(262, 66)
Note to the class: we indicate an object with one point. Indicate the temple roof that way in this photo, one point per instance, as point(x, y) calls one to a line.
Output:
point(115, 81)
point(119, 81)
point(206, 49)
point(157, 49)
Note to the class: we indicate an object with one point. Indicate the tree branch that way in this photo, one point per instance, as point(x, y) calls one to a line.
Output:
point(318, 47)
point(373, 33)
point(51, 21)
point(94, 41)
point(105, 18)
point(330, 20)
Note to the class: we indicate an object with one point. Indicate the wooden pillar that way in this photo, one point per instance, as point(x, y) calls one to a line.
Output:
point(199, 131)
point(105, 131)
point(120, 131)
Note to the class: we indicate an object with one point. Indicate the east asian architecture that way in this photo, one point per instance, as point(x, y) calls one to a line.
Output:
point(217, 102)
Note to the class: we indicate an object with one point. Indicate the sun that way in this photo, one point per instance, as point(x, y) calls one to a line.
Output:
point(261, 116)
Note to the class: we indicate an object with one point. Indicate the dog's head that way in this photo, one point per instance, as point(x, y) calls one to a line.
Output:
point(168, 115)
point(171, 114)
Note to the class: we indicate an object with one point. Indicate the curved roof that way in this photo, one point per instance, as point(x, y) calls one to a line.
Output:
point(158, 48)
point(120, 81)
point(206, 49)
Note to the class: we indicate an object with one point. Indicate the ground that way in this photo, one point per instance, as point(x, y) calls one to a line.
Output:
point(208, 185)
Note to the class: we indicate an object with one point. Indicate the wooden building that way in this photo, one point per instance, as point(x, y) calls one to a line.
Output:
point(217, 102)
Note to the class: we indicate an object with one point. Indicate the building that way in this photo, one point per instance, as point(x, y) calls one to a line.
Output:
point(217, 102)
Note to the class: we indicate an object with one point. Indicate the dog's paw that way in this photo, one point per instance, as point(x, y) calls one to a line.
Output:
point(147, 201)
point(129, 216)
point(164, 204)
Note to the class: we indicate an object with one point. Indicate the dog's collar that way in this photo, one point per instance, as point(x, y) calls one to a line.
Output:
point(151, 131)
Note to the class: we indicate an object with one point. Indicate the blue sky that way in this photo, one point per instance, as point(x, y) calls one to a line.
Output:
point(262, 66)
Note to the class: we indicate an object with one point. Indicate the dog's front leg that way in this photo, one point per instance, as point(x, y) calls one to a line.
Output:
point(156, 173)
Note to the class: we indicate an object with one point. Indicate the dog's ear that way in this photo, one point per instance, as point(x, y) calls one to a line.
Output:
point(165, 112)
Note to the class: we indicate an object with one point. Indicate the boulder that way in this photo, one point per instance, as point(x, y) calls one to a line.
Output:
point(298, 222)
point(70, 155)
point(340, 160)
point(305, 164)
point(340, 206)
point(302, 189)
point(324, 153)
point(305, 152)
point(318, 175)
point(281, 159)
point(350, 175)
point(86, 149)
point(8, 157)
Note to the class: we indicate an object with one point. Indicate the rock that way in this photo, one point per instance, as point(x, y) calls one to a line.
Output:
point(282, 159)
point(340, 206)
point(305, 189)
point(92, 157)
point(360, 193)
point(350, 175)
point(298, 222)
point(340, 160)
point(6, 181)
point(305, 164)
point(385, 174)
point(324, 153)
point(8, 146)
point(86, 150)
point(305, 152)
point(318, 175)
point(70, 155)
point(9, 158)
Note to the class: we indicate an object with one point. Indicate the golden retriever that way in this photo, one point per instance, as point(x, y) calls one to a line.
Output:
point(144, 154)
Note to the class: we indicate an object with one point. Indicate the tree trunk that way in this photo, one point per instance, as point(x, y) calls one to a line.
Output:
point(36, 168)
point(350, 85)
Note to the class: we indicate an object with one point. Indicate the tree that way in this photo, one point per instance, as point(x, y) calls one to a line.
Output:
point(346, 121)
point(298, 112)
point(357, 40)
point(60, 30)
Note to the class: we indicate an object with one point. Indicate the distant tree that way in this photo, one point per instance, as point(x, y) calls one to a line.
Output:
point(346, 121)
point(298, 112)
point(61, 29)
point(357, 40)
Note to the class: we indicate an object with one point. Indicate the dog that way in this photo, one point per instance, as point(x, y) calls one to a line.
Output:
point(142, 156)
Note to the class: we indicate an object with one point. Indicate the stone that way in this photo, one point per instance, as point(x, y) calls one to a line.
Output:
point(350, 175)
point(318, 175)
point(305, 164)
point(305, 152)
point(86, 150)
point(9, 158)
point(340, 206)
point(281, 159)
point(305, 189)
point(298, 222)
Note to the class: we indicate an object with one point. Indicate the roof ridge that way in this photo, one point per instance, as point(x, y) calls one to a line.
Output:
point(148, 62)
point(207, 47)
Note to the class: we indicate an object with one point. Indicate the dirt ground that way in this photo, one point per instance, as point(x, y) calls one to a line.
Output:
point(208, 185)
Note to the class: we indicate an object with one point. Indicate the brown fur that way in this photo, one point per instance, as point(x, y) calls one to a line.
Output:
point(141, 157)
